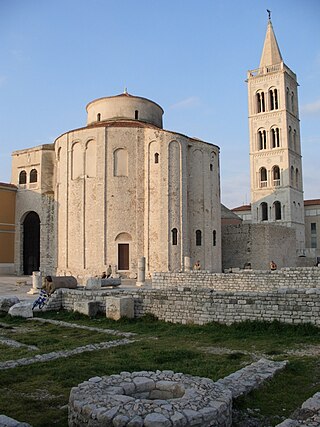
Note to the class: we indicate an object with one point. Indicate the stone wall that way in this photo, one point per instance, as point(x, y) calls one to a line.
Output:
point(258, 244)
point(192, 298)
point(245, 280)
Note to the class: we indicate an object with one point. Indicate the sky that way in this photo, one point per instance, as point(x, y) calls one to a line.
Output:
point(189, 56)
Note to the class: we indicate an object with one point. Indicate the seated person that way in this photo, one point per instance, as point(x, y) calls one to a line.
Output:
point(56, 282)
point(197, 266)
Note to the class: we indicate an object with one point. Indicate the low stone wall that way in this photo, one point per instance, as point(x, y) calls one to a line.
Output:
point(184, 305)
point(245, 280)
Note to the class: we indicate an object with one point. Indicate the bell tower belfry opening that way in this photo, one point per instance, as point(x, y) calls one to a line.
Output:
point(275, 149)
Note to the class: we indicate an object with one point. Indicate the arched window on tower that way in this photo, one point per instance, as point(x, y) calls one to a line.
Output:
point(264, 211)
point(198, 238)
point(277, 210)
point(273, 99)
point(292, 176)
point(23, 177)
point(98, 117)
point(292, 102)
point(287, 99)
point(260, 102)
point(294, 140)
point(275, 138)
point(297, 178)
point(174, 236)
point(263, 178)
point(290, 137)
point(276, 176)
point(262, 139)
point(156, 157)
point(33, 175)
point(136, 114)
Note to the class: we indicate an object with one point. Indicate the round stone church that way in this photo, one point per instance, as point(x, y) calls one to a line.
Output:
point(120, 188)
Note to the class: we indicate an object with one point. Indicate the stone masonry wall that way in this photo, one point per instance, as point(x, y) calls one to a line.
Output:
point(182, 303)
point(246, 280)
point(258, 244)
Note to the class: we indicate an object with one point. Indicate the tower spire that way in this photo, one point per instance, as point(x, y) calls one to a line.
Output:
point(271, 53)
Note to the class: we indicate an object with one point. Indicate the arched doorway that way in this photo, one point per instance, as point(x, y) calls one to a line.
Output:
point(31, 243)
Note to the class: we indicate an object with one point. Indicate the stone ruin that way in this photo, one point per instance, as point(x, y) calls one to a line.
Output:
point(150, 399)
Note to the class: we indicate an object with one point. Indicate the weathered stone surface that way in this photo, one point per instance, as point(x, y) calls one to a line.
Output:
point(89, 308)
point(118, 307)
point(93, 283)
point(22, 309)
point(10, 422)
point(156, 420)
point(111, 281)
point(176, 411)
point(313, 403)
point(251, 377)
point(7, 302)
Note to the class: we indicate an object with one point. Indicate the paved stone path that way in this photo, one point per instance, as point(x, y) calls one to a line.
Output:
point(63, 353)
point(16, 344)
point(88, 328)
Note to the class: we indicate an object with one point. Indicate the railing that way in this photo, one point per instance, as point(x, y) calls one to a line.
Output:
point(263, 184)
point(270, 69)
point(276, 182)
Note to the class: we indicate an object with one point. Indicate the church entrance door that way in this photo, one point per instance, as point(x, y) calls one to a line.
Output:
point(31, 243)
point(123, 256)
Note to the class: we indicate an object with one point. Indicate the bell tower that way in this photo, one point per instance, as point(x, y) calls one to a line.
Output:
point(275, 149)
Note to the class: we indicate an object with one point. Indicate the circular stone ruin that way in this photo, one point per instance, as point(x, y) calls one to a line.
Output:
point(149, 399)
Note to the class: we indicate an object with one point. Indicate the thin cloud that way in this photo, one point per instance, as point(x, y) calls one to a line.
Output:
point(191, 102)
point(312, 108)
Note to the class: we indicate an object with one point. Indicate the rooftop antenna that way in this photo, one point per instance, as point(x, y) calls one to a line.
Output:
point(269, 14)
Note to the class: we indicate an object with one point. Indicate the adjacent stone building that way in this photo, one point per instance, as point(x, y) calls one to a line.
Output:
point(7, 227)
point(115, 190)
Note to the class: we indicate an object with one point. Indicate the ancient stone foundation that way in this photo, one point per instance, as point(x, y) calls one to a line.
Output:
point(289, 295)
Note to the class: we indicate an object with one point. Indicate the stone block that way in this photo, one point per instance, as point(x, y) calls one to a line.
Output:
point(7, 302)
point(112, 282)
point(89, 308)
point(22, 309)
point(10, 422)
point(93, 283)
point(118, 307)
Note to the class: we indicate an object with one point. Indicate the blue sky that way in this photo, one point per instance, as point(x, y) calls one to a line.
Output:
point(189, 56)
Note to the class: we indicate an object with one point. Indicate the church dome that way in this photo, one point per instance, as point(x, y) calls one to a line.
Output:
point(124, 107)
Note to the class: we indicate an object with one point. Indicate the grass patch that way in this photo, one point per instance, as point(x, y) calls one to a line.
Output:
point(39, 392)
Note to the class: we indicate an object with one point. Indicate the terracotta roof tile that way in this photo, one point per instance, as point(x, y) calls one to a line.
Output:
point(7, 185)
point(312, 202)
point(242, 208)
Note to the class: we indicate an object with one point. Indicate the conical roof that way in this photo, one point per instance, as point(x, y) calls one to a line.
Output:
point(271, 53)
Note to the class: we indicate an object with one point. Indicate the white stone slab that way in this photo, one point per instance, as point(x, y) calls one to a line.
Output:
point(22, 309)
